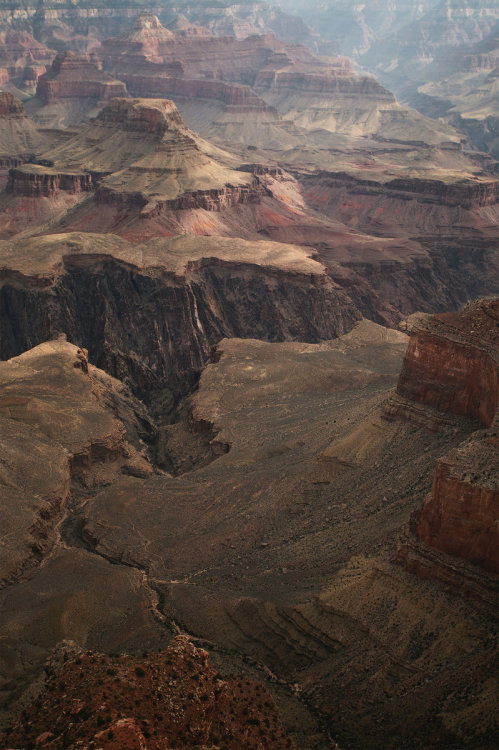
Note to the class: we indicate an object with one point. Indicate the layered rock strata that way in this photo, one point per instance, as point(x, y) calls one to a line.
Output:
point(21, 53)
point(288, 78)
point(76, 76)
point(34, 181)
point(460, 515)
point(452, 366)
point(198, 290)
point(19, 137)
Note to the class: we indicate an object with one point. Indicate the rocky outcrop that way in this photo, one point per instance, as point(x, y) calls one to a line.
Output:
point(335, 188)
point(335, 79)
point(451, 365)
point(19, 50)
point(48, 461)
point(140, 116)
point(460, 515)
point(452, 368)
point(206, 200)
point(202, 57)
point(19, 137)
point(34, 181)
point(166, 699)
point(453, 538)
point(232, 95)
point(76, 76)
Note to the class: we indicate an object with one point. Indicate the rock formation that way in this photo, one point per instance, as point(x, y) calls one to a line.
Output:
point(204, 289)
point(46, 456)
point(460, 516)
point(22, 56)
point(164, 699)
point(452, 364)
point(275, 494)
point(299, 486)
point(464, 92)
point(72, 90)
point(19, 137)
point(451, 368)
point(152, 61)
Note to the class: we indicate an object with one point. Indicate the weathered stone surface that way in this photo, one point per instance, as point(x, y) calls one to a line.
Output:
point(199, 290)
point(55, 431)
point(452, 363)
point(76, 76)
point(33, 181)
point(451, 368)
point(150, 708)
point(460, 515)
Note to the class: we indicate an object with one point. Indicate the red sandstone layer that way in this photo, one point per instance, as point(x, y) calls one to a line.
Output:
point(451, 364)
point(34, 182)
point(76, 76)
point(452, 367)
point(460, 516)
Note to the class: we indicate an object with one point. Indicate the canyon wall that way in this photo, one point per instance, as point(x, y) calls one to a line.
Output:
point(75, 76)
point(460, 515)
point(141, 326)
point(35, 182)
point(452, 368)
point(452, 364)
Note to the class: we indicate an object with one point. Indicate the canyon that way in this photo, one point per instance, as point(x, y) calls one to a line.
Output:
point(265, 538)
point(249, 377)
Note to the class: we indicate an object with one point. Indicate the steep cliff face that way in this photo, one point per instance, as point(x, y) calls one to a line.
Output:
point(460, 515)
point(143, 323)
point(232, 95)
point(468, 385)
point(75, 76)
point(452, 364)
point(32, 181)
point(452, 367)
point(336, 78)
point(405, 205)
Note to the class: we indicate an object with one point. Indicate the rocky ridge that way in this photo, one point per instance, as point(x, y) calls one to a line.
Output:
point(287, 77)
point(162, 700)
point(73, 89)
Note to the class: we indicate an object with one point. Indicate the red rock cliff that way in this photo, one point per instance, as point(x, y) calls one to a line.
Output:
point(452, 363)
point(459, 517)
point(452, 366)
point(75, 76)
